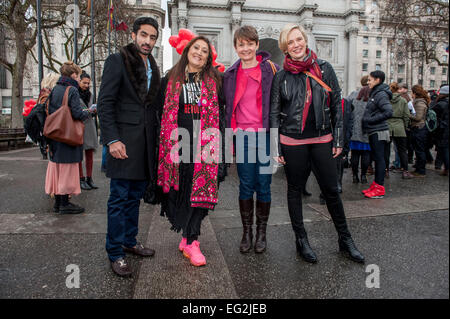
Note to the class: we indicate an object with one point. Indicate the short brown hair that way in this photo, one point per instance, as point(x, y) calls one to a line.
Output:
point(246, 32)
point(365, 80)
point(69, 68)
point(394, 87)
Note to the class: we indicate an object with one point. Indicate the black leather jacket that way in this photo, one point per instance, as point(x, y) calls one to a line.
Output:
point(287, 101)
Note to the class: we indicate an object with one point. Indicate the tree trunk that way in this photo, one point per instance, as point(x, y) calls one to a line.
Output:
point(17, 83)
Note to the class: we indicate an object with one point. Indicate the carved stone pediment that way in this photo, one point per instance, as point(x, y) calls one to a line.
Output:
point(268, 32)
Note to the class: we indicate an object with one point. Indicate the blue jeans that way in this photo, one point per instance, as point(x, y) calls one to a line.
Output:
point(123, 215)
point(104, 152)
point(253, 165)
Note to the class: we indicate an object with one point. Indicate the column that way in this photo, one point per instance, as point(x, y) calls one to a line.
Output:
point(352, 34)
point(235, 24)
point(311, 39)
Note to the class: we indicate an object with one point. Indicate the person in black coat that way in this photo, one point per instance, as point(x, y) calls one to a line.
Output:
point(127, 106)
point(63, 177)
point(378, 110)
point(441, 133)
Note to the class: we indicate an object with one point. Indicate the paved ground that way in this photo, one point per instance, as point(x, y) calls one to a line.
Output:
point(406, 235)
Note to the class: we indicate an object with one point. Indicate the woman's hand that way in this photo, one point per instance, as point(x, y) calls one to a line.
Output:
point(337, 151)
point(280, 160)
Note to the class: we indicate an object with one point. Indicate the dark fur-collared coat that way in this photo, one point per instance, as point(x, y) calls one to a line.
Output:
point(128, 112)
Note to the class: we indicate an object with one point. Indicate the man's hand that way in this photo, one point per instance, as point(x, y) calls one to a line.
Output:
point(118, 150)
point(337, 151)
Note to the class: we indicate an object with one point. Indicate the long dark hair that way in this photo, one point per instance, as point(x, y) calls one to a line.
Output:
point(364, 93)
point(419, 92)
point(177, 73)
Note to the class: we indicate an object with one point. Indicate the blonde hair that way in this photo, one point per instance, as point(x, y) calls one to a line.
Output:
point(282, 42)
point(49, 81)
point(69, 68)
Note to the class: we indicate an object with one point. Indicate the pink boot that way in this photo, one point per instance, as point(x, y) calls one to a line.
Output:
point(182, 244)
point(194, 254)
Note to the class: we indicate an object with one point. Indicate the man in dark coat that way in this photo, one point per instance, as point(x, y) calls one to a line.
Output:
point(127, 106)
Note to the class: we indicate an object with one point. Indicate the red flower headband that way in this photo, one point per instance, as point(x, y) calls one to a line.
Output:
point(180, 41)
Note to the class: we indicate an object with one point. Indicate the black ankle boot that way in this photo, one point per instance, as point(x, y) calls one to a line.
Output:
point(246, 208)
point(57, 203)
point(67, 207)
point(84, 185)
point(347, 246)
point(363, 179)
point(304, 249)
point(262, 217)
point(90, 183)
point(355, 179)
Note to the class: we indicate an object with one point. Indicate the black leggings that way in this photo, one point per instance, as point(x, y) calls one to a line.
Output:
point(323, 166)
point(402, 148)
point(378, 149)
point(192, 229)
point(365, 161)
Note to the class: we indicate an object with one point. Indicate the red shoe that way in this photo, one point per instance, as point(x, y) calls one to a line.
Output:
point(182, 244)
point(378, 191)
point(194, 254)
point(369, 189)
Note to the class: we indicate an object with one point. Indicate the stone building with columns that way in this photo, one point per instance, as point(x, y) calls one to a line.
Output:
point(137, 8)
point(344, 32)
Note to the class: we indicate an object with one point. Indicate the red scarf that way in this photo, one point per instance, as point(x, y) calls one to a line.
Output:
point(296, 67)
point(204, 192)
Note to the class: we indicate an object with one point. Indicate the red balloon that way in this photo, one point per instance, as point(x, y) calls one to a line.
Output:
point(173, 40)
point(29, 104)
point(186, 34)
point(221, 68)
point(215, 63)
point(214, 53)
point(181, 46)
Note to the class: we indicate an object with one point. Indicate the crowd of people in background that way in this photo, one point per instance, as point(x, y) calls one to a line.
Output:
point(318, 131)
point(412, 131)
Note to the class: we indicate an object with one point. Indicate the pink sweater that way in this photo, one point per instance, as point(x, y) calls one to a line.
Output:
point(249, 102)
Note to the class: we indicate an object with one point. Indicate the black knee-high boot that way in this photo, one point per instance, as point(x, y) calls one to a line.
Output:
point(262, 217)
point(246, 207)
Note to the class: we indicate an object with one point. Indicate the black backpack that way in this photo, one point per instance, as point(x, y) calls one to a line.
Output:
point(34, 123)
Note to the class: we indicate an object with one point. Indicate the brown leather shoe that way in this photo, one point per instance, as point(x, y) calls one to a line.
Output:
point(121, 267)
point(140, 250)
